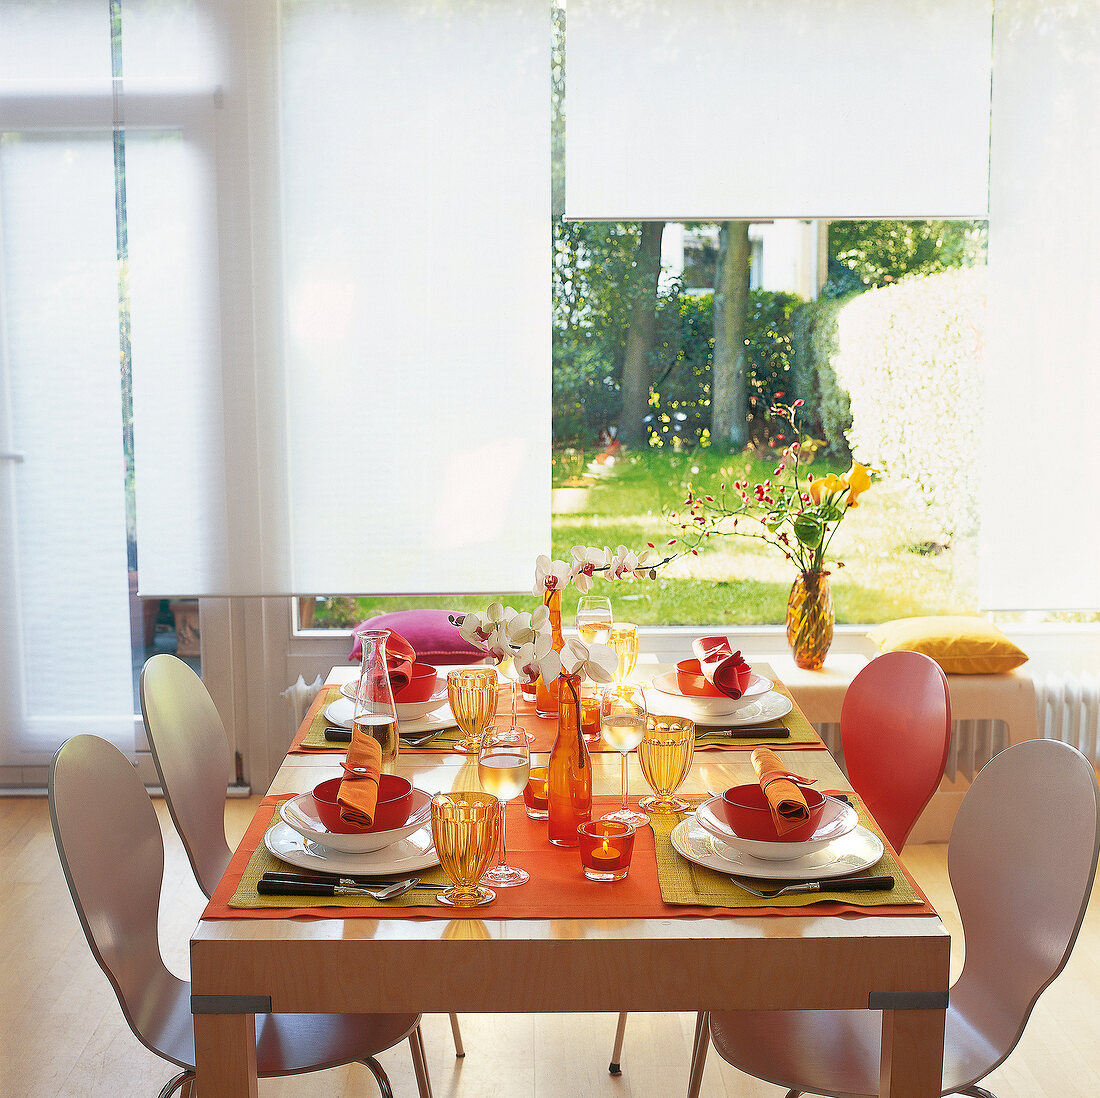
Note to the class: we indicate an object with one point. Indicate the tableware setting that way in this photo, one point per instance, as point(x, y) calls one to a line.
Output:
point(412, 717)
point(302, 814)
point(837, 819)
point(766, 707)
point(710, 701)
point(406, 856)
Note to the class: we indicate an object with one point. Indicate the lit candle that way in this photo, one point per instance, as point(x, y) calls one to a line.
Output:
point(605, 849)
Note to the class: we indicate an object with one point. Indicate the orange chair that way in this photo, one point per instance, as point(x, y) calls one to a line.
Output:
point(1022, 860)
point(895, 730)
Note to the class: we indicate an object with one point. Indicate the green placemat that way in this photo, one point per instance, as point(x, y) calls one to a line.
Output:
point(802, 732)
point(684, 882)
point(314, 739)
point(263, 861)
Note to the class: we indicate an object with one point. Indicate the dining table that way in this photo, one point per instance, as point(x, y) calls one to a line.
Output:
point(577, 946)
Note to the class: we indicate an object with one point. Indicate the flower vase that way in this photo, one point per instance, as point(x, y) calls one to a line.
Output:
point(546, 695)
point(810, 619)
point(569, 770)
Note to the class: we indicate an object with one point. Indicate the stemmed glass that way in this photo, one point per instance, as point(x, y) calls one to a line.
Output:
point(623, 718)
point(594, 619)
point(472, 693)
point(464, 832)
point(503, 766)
point(623, 641)
point(507, 667)
point(665, 755)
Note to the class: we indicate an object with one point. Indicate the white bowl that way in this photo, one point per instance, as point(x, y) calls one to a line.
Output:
point(837, 819)
point(406, 711)
point(710, 706)
point(300, 814)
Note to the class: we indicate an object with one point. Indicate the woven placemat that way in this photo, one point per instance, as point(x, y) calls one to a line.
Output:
point(314, 738)
point(684, 882)
point(802, 733)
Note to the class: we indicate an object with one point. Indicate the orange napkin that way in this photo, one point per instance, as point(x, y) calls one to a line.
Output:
point(358, 795)
point(788, 804)
point(400, 657)
point(723, 668)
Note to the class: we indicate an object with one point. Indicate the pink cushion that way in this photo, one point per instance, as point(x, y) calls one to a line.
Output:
point(430, 632)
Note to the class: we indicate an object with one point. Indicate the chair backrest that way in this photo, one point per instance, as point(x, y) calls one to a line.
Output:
point(109, 841)
point(1022, 859)
point(191, 754)
point(895, 729)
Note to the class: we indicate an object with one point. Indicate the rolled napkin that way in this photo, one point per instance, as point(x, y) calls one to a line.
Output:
point(400, 657)
point(785, 797)
point(723, 668)
point(358, 794)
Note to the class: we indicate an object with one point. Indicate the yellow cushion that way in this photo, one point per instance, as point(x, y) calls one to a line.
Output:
point(960, 645)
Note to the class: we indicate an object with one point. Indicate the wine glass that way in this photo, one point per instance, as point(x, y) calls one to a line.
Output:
point(464, 832)
point(623, 718)
point(623, 641)
point(507, 668)
point(665, 755)
point(472, 693)
point(503, 766)
point(594, 619)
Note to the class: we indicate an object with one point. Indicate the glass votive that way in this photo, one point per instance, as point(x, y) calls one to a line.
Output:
point(590, 718)
point(606, 846)
point(527, 691)
point(536, 793)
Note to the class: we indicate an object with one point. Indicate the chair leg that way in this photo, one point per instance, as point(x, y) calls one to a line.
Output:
point(420, 1063)
point(178, 1082)
point(617, 1051)
point(380, 1076)
point(699, 1054)
point(456, 1033)
point(793, 1094)
point(976, 1091)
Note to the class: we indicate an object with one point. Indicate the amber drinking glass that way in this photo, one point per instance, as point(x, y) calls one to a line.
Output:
point(465, 828)
point(665, 755)
point(472, 693)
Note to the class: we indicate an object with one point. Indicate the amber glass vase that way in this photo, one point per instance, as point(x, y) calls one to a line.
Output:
point(569, 770)
point(546, 695)
point(810, 619)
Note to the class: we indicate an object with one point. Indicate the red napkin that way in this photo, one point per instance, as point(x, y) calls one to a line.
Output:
point(358, 793)
point(400, 657)
point(723, 668)
point(786, 799)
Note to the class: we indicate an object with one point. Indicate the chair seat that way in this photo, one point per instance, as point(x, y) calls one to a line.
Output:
point(836, 1052)
point(288, 1044)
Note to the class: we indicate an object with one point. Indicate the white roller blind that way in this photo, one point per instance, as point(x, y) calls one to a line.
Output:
point(712, 109)
point(1040, 522)
point(416, 168)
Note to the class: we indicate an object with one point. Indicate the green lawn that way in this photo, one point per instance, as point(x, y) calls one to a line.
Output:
point(738, 581)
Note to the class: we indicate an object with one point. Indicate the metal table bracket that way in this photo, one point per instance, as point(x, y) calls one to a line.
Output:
point(230, 1004)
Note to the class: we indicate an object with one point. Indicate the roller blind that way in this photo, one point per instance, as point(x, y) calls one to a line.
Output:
point(712, 109)
point(1040, 524)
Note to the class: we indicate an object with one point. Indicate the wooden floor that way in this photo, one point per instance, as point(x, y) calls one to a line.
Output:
point(62, 1034)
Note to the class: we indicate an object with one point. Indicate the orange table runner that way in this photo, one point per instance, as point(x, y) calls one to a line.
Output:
point(309, 738)
point(558, 888)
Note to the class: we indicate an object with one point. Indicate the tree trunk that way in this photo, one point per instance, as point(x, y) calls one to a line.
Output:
point(729, 403)
point(641, 333)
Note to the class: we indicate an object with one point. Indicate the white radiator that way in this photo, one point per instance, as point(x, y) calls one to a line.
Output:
point(299, 697)
point(1068, 710)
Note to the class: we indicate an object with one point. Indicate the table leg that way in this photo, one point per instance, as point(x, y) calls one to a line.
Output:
point(912, 1053)
point(225, 1055)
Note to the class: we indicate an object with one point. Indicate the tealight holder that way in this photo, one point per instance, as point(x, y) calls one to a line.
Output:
point(536, 793)
point(606, 847)
point(590, 717)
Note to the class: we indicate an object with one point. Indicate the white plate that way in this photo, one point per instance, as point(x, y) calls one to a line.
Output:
point(668, 683)
point(766, 709)
point(837, 819)
point(407, 856)
point(301, 814)
point(850, 853)
point(406, 711)
point(341, 711)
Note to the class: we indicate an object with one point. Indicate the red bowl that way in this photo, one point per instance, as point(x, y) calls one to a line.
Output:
point(420, 687)
point(746, 810)
point(394, 805)
point(691, 680)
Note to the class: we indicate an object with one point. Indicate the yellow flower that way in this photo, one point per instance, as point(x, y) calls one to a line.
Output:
point(858, 480)
point(829, 483)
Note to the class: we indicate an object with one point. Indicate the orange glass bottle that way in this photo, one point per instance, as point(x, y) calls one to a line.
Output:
point(546, 695)
point(570, 770)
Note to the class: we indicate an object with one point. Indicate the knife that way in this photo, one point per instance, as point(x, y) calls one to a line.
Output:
point(337, 735)
point(746, 733)
point(273, 877)
point(312, 888)
point(832, 884)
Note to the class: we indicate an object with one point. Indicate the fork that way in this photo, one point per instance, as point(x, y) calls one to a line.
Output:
point(832, 884)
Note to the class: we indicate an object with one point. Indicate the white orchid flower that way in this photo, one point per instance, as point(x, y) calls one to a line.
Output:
point(550, 575)
point(595, 661)
point(585, 563)
point(540, 619)
point(537, 658)
point(475, 628)
point(622, 563)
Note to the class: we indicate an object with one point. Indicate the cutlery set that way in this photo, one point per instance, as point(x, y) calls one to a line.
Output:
point(300, 884)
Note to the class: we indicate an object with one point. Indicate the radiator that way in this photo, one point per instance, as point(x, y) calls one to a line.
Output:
point(299, 697)
point(1068, 710)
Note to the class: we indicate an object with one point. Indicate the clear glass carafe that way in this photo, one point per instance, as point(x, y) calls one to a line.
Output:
point(375, 712)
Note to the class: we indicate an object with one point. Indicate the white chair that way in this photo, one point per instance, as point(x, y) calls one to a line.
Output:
point(191, 754)
point(1022, 859)
point(109, 841)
